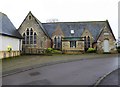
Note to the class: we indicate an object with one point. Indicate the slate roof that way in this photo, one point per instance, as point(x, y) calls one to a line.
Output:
point(40, 24)
point(7, 28)
point(94, 27)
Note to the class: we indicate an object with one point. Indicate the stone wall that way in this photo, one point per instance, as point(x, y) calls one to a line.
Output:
point(106, 35)
point(67, 49)
point(43, 41)
point(5, 54)
point(87, 33)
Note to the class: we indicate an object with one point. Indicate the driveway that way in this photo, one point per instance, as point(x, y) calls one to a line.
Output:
point(84, 72)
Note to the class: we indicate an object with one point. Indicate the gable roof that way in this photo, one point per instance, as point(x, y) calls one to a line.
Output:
point(110, 29)
point(39, 23)
point(7, 28)
point(108, 25)
point(58, 31)
point(93, 26)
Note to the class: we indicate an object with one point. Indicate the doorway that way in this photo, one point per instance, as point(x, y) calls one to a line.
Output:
point(106, 46)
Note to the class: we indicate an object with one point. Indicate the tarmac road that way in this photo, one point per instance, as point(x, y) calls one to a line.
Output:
point(84, 72)
point(112, 79)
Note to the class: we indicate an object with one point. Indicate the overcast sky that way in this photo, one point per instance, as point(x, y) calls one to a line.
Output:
point(63, 10)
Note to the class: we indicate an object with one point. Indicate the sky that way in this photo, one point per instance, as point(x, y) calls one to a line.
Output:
point(63, 10)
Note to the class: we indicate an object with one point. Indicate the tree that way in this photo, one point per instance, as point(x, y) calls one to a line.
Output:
point(52, 20)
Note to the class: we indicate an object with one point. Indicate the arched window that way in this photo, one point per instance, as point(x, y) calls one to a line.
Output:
point(85, 42)
point(88, 42)
point(29, 17)
point(55, 42)
point(27, 36)
point(35, 38)
point(59, 42)
point(23, 38)
point(31, 36)
point(27, 31)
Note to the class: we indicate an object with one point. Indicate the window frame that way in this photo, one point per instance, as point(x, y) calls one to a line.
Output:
point(72, 44)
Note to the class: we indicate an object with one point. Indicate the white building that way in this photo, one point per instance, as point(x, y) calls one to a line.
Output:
point(10, 39)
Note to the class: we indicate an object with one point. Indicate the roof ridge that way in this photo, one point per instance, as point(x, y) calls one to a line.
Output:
point(3, 13)
point(8, 27)
point(40, 24)
point(74, 22)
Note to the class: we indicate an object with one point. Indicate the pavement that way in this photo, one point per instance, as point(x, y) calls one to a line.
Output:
point(112, 79)
point(22, 63)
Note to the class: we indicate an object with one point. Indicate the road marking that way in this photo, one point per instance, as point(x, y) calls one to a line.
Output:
point(103, 77)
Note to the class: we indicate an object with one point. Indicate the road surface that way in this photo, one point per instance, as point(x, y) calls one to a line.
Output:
point(84, 72)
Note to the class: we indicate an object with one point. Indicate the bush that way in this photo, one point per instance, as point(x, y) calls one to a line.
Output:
point(91, 50)
point(56, 51)
point(49, 50)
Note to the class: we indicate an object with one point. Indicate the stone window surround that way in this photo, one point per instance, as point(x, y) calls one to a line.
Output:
point(33, 40)
point(57, 43)
point(87, 42)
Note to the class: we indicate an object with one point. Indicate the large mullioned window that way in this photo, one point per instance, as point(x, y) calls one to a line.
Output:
point(86, 42)
point(57, 42)
point(29, 36)
point(24, 38)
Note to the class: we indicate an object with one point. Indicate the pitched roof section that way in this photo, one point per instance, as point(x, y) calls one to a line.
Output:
point(58, 31)
point(39, 23)
point(7, 28)
point(93, 26)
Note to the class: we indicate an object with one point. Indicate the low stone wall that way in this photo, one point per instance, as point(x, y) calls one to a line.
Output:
point(33, 51)
point(72, 51)
point(5, 54)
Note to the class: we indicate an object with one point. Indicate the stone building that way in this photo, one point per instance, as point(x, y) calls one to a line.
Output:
point(10, 39)
point(36, 38)
point(70, 37)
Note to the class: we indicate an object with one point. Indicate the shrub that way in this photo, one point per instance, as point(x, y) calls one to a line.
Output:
point(9, 48)
point(56, 51)
point(91, 50)
point(49, 50)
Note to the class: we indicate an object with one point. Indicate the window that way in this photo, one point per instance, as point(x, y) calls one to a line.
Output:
point(27, 32)
point(23, 38)
point(88, 42)
point(29, 17)
point(72, 44)
point(35, 38)
point(59, 42)
point(55, 42)
point(27, 39)
point(31, 36)
point(72, 31)
point(85, 42)
point(27, 36)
